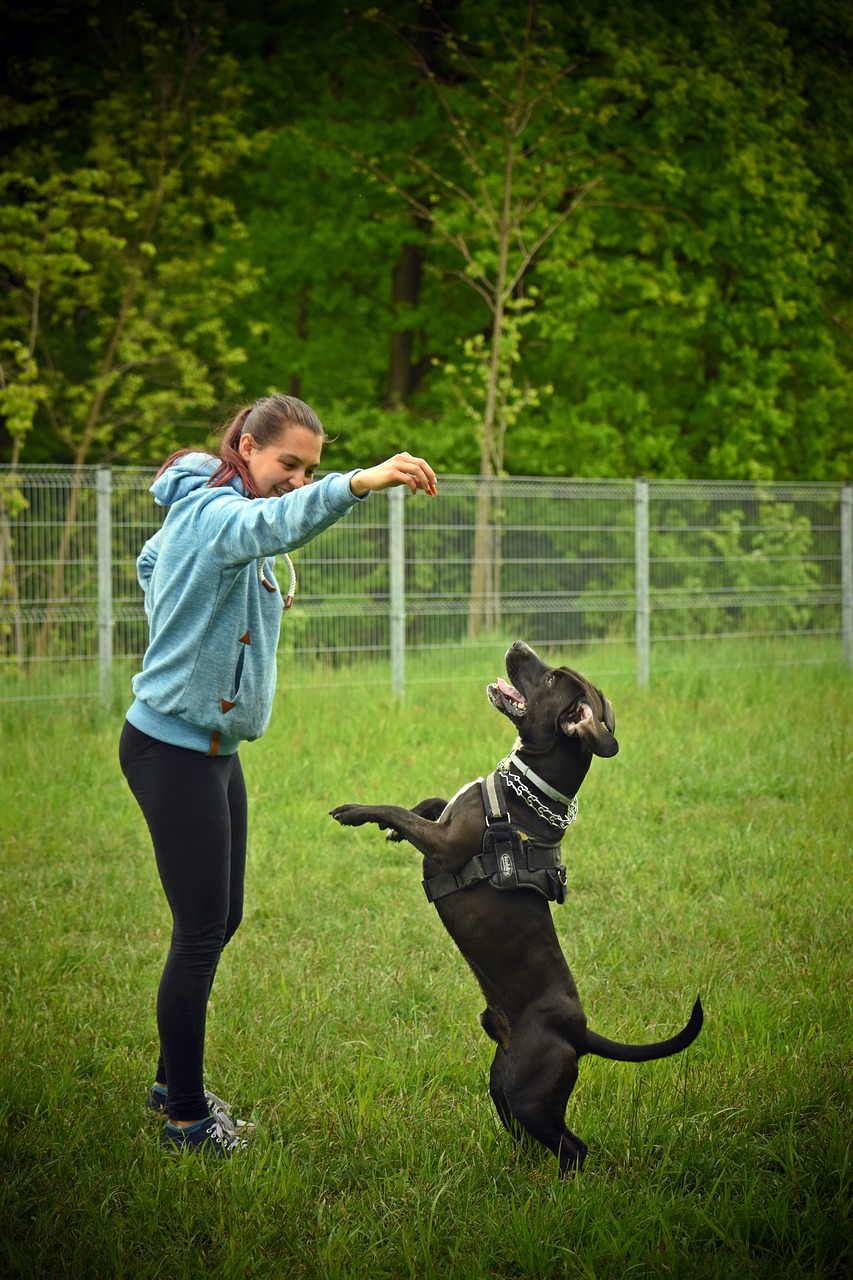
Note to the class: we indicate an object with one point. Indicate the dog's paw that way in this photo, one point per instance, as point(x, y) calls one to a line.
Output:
point(348, 815)
point(393, 836)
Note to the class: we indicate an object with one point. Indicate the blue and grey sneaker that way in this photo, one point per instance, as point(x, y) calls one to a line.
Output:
point(158, 1100)
point(208, 1137)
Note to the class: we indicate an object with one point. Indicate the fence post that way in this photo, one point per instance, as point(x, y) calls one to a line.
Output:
point(847, 572)
point(397, 573)
point(641, 571)
point(103, 494)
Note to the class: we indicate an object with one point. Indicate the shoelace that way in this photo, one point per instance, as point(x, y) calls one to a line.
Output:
point(221, 1112)
point(227, 1138)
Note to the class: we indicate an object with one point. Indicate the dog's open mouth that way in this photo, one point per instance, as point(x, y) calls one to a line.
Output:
point(507, 699)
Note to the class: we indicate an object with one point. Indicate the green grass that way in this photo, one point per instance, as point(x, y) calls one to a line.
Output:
point(711, 855)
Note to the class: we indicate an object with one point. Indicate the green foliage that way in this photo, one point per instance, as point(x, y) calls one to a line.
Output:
point(698, 344)
point(766, 550)
point(113, 325)
point(632, 261)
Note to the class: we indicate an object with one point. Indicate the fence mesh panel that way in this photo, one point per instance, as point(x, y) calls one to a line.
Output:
point(729, 567)
point(744, 562)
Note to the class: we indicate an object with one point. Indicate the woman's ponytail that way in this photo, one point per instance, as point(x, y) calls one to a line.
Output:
point(232, 461)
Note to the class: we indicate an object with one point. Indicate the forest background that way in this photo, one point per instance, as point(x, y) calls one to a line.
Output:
point(589, 239)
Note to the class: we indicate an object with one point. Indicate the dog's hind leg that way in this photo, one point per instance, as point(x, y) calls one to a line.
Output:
point(539, 1075)
point(495, 1027)
point(497, 1093)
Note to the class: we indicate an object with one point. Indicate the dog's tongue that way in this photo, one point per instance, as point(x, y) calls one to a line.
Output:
point(509, 690)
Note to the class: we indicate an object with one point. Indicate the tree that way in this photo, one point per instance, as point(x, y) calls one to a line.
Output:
point(669, 321)
point(690, 317)
point(112, 305)
point(510, 177)
point(344, 301)
point(698, 341)
point(113, 229)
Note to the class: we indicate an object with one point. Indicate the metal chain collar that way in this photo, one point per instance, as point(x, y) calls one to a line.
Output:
point(533, 802)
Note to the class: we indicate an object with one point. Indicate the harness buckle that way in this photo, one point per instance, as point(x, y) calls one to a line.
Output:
point(558, 882)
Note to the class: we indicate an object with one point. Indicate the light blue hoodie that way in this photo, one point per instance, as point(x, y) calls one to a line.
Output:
point(213, 605)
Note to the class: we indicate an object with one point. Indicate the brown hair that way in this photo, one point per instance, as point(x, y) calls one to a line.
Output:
point(265, 421)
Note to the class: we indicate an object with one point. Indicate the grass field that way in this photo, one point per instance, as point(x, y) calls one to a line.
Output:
point(711, 856)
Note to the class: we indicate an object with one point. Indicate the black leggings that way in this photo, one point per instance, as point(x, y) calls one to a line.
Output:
point(195, 807)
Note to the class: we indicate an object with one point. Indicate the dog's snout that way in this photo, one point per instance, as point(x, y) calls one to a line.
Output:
point(518, 647)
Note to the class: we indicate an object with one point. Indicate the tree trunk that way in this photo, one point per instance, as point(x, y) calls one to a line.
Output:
point(484, 609)
point(405, 289)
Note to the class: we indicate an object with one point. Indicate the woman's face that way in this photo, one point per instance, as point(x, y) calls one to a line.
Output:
point(286, 465)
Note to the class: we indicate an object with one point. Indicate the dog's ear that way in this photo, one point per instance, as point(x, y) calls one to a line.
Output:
point(608, 717)
point(597, 735)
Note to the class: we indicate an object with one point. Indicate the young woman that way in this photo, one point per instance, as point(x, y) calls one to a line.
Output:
point(208, 677)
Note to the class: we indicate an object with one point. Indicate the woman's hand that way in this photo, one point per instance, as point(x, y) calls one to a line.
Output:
point(401, 469)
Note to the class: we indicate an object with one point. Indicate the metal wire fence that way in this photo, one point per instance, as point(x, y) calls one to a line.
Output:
point(650, 573)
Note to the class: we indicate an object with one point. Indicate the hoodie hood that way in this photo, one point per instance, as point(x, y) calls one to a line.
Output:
point(185, 476)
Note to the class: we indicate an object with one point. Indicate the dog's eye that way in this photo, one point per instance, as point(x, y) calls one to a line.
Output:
point(550, 681)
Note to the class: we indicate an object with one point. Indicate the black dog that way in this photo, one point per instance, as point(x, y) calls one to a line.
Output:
point(503, 833)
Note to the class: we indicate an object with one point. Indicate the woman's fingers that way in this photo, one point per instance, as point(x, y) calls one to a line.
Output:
point(416, 473)
point(403, 468)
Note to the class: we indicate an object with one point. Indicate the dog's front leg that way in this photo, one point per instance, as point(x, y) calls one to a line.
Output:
point(432, 809)
point(447, 842)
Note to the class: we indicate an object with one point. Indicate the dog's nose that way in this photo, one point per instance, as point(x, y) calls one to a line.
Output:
point(519, 646)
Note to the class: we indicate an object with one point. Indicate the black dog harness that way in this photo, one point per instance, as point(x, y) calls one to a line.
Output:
point(509, 859)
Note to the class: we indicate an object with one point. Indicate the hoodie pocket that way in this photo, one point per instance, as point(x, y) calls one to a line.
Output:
point(234, 696)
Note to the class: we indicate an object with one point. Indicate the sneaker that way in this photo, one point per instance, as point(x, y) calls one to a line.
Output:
point(158, 1101)
point(208, 1138)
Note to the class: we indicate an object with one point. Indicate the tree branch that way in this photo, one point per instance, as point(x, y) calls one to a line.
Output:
point(487, 294)
point(548, 233)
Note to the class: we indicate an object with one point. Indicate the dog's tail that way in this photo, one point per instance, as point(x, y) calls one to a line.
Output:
point(604, 1048)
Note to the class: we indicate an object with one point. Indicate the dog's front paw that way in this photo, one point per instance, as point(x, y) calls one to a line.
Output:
point(349, 815)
